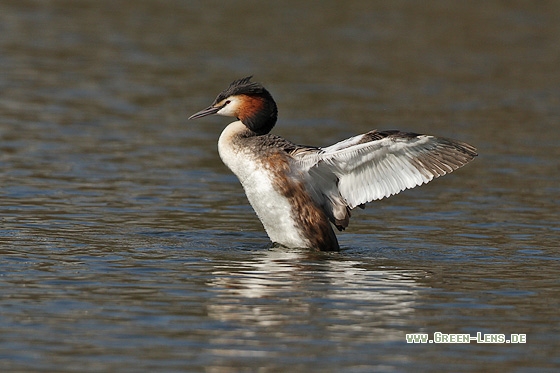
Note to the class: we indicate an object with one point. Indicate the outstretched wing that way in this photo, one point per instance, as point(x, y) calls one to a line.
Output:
point(379, 164)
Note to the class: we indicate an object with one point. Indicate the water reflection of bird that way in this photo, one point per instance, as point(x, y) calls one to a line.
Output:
point(298, 191)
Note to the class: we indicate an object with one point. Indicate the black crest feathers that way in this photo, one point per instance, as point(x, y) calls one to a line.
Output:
point(244, 86)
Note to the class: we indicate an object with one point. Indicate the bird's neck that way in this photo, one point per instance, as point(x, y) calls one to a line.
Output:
point(233, 149)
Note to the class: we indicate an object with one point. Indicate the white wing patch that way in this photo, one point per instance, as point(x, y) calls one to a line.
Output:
point(376, 165)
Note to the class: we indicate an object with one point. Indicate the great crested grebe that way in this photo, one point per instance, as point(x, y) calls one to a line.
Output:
point(298, 191)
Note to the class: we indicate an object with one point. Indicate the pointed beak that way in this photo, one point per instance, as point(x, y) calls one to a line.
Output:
point(208, 111)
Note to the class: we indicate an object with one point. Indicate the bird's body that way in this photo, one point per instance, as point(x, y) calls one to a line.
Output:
point(298, 191)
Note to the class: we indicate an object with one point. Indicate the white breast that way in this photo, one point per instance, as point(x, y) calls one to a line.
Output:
point(272, 208)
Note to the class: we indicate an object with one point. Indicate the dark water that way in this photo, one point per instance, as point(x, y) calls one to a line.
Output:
point(125, 245)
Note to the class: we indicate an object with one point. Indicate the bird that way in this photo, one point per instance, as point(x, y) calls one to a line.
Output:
point(300, 192)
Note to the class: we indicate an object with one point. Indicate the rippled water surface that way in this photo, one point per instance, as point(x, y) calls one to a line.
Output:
point(125, 244)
